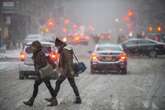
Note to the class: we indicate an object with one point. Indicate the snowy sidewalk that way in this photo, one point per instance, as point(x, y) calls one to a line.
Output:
point(10, 54)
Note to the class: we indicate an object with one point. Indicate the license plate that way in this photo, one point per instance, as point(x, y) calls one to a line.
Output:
point(29, 61)
point(108, 58)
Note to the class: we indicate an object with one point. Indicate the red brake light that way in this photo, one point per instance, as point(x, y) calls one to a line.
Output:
point(54, 56)
point(123, 57)
point(22, 56)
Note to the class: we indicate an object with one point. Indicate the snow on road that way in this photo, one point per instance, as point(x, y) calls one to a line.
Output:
point(10, 54)
point(6, 66)
point(98, 92)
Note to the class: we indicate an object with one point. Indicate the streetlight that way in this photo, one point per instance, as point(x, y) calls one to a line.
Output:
point(159, 28)
point(150, 29)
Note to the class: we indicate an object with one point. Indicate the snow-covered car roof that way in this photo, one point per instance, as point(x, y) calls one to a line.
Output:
point(39, 37)
point(43, 43)
point(33, 35)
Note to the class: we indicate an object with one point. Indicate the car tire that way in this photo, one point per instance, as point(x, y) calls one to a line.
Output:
point(21, 75)
point(153, 54)
point(124, 71)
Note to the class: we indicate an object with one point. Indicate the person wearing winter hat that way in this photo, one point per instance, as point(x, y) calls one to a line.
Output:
point(67, 72)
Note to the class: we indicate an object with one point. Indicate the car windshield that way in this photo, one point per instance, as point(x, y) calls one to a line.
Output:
point(45, 49)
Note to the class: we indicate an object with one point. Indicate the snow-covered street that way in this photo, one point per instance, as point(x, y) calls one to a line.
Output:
point(142, 87)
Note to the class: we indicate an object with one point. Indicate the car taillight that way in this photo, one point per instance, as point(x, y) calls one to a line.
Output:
point(22, 56)
point(77, 38)
point(54, 56)
point(94, 57)
point(123, 57)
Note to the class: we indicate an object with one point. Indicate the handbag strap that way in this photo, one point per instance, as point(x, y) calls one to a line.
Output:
point(75, 57)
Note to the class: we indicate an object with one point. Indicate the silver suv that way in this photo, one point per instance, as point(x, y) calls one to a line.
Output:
point(26, 66)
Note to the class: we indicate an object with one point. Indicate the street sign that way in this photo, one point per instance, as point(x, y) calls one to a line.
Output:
point(8, 4)
point(8, 7)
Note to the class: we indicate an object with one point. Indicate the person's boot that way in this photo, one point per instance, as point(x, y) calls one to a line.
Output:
point(78, 100)
point(54, 102)
point(49, 99)
point(29, 102)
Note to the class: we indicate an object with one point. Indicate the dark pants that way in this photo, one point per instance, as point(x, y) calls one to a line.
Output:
point(71, 82)
point(36, 85)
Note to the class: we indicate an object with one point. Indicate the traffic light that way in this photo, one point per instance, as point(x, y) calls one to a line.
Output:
point(64, 30)
point(150, 29)
point(126, 19)
point(75, 27)
point(130, 13)
point(50, 23)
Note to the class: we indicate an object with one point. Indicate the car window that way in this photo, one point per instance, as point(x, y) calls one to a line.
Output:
point(146, 42)
point(28, 49)
point(162, 38)
point(131, 43)
point(108, 48)
point(45, 49)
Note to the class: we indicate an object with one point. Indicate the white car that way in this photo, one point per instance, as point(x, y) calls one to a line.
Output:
point(26, 66)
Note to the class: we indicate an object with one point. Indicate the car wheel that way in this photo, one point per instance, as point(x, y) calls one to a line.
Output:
point(21, 75)
point(124, 71)
point(153, 54)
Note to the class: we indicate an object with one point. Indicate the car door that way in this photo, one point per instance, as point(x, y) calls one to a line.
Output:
point(130, 47)
point(145, 46)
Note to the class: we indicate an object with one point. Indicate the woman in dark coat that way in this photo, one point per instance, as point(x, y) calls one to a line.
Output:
point(40, 60)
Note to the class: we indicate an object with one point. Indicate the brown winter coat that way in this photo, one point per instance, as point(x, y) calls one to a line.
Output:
point(66, 61)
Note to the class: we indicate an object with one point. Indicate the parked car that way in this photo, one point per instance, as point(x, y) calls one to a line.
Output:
point(108, 58)
point(26, 67)
point(147, 47)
